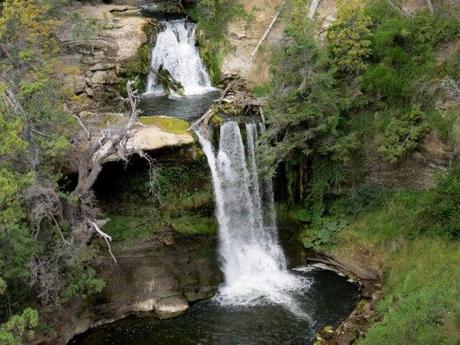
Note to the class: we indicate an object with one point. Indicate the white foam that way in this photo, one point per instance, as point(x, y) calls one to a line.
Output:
point(252, 259)
point(176, 50)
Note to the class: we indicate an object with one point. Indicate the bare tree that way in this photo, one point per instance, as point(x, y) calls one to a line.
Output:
point(98, 148)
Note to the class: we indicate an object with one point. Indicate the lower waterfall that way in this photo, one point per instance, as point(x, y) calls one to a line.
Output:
point(252, 259)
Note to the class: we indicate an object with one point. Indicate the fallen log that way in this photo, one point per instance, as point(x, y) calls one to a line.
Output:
point(204, 120)
point(265, 35)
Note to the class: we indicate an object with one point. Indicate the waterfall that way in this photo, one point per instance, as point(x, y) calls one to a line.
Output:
point(252, 259)
point(175, 51)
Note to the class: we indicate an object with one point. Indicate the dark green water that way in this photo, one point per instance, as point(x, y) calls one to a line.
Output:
point(328, 301)
point(188, 108)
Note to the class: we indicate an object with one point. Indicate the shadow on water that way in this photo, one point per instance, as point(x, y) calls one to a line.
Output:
point(188, 107)
point(328, 301)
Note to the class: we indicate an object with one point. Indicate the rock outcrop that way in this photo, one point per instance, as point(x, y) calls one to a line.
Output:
point(151, 138)
point(159, 276)
point(110, 38)
point(417, 171)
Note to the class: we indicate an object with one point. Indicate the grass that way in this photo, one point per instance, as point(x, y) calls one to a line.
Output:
point(421, 273)
point(195, 225)
point(168, 124)
point(129, 229)
point(261, 90)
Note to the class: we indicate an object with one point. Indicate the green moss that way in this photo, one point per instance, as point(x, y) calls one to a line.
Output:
point(139, 67)
point(128, 229)
point(184, 201)
point(166, 123)
point(195, 225)
point(136, 69)
point(261, 90)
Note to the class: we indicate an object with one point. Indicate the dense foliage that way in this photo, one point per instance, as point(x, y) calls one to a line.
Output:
point(376, 85)
point(38, 264)
point(371, 82)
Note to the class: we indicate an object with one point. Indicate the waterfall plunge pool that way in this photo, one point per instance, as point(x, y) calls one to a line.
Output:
point(175, 52)
point(187, 107)
point(328, 300)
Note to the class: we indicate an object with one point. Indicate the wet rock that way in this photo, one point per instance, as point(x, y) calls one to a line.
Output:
point(164, 9)
point(169, 307)
point(198, 293)
point(149, 278)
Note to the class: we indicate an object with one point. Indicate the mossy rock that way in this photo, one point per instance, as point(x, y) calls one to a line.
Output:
point(166, 123)
point(195, 225)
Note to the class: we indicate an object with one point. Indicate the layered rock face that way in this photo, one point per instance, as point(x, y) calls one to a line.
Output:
point(111, 37)
point(159, 276)
point(418, 171)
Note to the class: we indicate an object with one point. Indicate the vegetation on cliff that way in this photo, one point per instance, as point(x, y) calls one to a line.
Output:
point(46, 229)
point(369, 86)
point(212, 17)
point(377, 84)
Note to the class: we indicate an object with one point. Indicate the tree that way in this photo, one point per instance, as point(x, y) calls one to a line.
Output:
point(18, 326)
point(45, 231)
point(348, 39)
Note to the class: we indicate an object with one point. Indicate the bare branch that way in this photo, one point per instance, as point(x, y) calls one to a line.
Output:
point(267, 32)
point(312, 9)
point(10, 99)
point(88, 134)
point(106, 238)
point(207, 116)
point(430, 6)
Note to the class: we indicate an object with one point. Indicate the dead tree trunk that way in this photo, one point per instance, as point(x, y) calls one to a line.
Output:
point(267, 32)
point(430, 6)
point(312, 9)
point(99, 147)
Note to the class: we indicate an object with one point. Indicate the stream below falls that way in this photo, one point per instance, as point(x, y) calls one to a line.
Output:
point(328, 301)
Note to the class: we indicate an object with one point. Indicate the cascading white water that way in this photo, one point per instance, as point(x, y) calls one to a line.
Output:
point(252, 259)
point(175, 50)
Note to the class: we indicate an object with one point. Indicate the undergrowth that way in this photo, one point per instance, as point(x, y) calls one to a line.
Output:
point(412, 236)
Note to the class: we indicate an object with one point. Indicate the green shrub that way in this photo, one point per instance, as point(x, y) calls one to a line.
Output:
point(443, 206)
point(348, 39)
point(401, 135)
point(321, 231)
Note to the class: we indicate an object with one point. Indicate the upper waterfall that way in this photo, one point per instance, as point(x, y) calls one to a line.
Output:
point(176, 52)
point(252, 259)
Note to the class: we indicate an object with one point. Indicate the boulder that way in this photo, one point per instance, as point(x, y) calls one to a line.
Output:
point(172, 306)
point(104, 77)
point(76, 83)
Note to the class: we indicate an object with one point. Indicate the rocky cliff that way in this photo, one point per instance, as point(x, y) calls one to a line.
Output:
point(159, 276)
